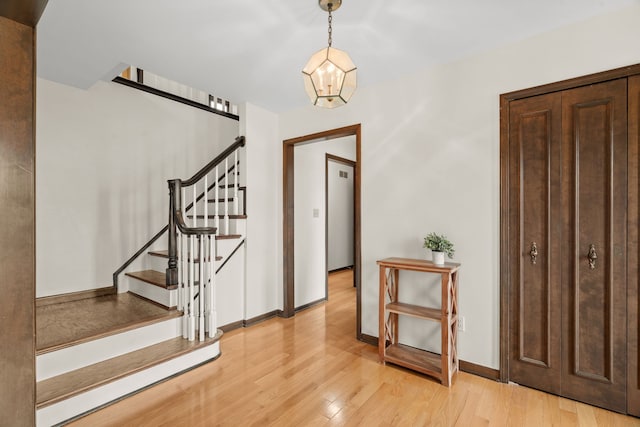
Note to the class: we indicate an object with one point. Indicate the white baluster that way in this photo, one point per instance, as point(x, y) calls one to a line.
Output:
point(201, 296)
point(206, 202)
point(179, 266)
point(192, 320)
point(226, 195)
point(212, 313)
point(236, 174)
point(206, 284)
point(215, 200)
point(185, 276)
point(194, 223)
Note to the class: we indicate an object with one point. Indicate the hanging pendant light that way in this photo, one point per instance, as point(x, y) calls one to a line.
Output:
point(330, 75)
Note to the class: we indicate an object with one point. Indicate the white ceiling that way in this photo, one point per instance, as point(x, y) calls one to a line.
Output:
point(254, 51)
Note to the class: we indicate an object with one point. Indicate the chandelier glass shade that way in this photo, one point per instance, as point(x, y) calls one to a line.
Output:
point(330, 78)
point(330, 74)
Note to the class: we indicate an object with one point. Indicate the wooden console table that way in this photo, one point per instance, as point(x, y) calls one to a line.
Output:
point(443, 366)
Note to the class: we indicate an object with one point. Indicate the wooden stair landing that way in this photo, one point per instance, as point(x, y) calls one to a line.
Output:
point(67, 385)
point(65, 324)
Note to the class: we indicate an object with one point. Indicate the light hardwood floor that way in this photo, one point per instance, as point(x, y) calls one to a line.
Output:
point(311, 371)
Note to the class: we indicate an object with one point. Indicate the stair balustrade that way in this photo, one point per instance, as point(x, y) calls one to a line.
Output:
point(192, 248)
point(192, 237)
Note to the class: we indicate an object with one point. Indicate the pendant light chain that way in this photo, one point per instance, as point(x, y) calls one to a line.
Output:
point(330, 20)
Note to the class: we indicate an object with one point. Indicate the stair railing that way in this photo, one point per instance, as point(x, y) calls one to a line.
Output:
point(192, 242)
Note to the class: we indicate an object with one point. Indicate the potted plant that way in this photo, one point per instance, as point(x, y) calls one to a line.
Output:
point(439, 245)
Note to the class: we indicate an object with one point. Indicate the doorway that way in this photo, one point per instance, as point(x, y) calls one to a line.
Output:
point(289, 215)
point(340, 213)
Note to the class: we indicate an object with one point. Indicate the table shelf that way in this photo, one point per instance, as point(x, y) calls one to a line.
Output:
point(415, 359)
point(415, 311)
point(442, 366)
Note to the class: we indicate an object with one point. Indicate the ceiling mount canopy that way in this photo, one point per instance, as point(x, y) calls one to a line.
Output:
point(330, 4)
point(330, 74)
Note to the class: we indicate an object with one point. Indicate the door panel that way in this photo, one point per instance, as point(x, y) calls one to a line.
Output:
point(633, 299)
point(535, 137)
point(594, 202)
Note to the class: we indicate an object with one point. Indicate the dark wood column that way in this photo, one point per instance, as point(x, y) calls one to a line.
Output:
point(17, 210)
point(17, 232)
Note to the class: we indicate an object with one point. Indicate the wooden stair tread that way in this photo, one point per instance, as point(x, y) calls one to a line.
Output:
point(55, 389)
point(75, 322)
point(228, 236)
point(240, 188)
point(219, 216)
point(220, 200)
point(152, 277)
point(164, 253)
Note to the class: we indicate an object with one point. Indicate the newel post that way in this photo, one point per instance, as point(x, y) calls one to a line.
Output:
point(175, 204)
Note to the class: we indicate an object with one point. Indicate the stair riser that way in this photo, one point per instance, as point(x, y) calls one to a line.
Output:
point(74, 406)
point(75, 357)
point(236, 226)
point(165, 297)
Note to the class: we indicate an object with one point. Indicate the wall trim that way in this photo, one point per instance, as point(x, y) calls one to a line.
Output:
point(246, 323)
point(172, 97)
point(75, 296)
point(261, 318)
point(288, 251)
point(310, 304)
point(369, 339)
point(479, 370)
point(231, 326)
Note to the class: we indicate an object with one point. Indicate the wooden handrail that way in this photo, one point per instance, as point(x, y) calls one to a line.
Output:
point(239, 142)
point(223, 177)
point(176, 217)
point(192, 231)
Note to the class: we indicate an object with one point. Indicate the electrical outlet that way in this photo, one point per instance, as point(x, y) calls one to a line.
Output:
point(461, 323)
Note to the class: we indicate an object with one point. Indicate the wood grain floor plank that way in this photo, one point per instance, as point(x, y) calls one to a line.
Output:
point(310, 370)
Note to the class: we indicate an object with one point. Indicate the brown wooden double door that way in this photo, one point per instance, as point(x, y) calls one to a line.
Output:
point(569, 242)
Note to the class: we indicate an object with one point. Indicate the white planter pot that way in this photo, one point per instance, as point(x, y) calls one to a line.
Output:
point(437, 257)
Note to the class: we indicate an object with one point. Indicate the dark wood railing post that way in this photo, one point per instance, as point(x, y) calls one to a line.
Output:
point(175, 204)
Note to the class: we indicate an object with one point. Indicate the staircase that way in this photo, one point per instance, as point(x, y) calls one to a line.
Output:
point(158, 321)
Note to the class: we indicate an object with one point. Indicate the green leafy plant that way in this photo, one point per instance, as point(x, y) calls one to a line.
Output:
point(439, 243)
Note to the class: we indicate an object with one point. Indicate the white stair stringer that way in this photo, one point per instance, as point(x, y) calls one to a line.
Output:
point(102, 395)
point(84, 354)
point(230, 289)
point(225, 247)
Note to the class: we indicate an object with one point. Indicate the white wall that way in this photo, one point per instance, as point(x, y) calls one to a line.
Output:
point(340, 220)
point(430, 161)
point(263, 287)
point(104, 158)
point(309, 194)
